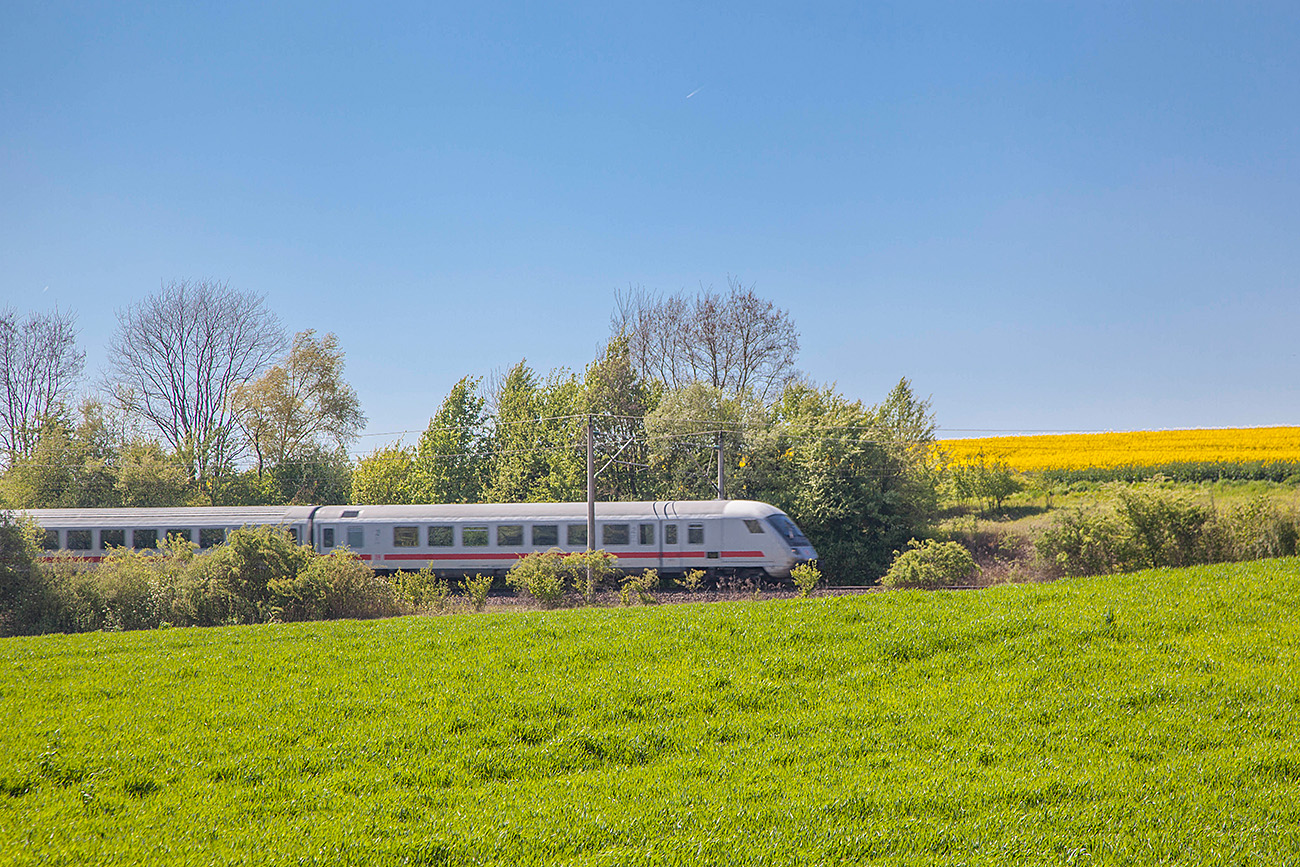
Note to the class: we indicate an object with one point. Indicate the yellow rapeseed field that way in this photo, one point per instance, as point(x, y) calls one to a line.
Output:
point(1132, 449)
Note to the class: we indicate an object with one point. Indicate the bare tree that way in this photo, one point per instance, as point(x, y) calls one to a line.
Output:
point(176, 357)
point(735, 341)
point(39, 365)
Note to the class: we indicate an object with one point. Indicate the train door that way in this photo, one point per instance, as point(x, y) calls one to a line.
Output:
point(671, 538)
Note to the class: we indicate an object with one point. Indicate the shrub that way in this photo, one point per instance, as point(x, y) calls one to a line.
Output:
point(931, 564)
point(641, 586)
point(806, 577)
point(423, 589)
point(1167, 527)
point(539, 575)
point(1087, 543)
point(692, 580)
point(477, 589)
point(588, 571)
point(352, 589)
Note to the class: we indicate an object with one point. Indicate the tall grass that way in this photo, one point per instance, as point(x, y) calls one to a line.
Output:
point(1144, 718)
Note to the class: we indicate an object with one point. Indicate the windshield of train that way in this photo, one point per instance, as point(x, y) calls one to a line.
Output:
point(786, 529)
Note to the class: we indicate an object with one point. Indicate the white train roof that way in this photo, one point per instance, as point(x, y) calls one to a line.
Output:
point(235, 516)
point(195, 516)
point(670, 509)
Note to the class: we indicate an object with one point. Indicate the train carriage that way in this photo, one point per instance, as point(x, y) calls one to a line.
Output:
point(728, 536)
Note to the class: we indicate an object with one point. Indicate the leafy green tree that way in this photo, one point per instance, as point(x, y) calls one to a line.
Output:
point(685, 429)
point(451, 464)
point(300, 406)
point(618, 400)
point(147, 476)
point(384, 476)
point(536, 439)
point(70, 467)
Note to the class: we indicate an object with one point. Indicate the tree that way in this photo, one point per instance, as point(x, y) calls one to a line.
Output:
point(685, 430)
point(537, 438)
point(618, 398)
point(300, 405)
point(70, 467)
point(383, 477)
point(737, 342)
point(176, 357)
point(451, 465)
point(39, 364)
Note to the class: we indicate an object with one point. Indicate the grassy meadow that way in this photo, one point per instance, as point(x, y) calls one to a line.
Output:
point(1133, 719)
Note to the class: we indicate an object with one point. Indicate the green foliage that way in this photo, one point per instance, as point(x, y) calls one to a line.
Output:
point(477, 589)
point(692, 580)
point(1149, 525)
point(931, 564)
point(23, 594)
point(352, 589)
point(451, 463)
point(384, 477)
point(541, 576)
point(806, 577)
point(552, 577)
point(301, 406)
point(1193, 471)
point(536, 439)
point(423, 590)
point(986, 480)
point(640, 588)
point(1136, 719)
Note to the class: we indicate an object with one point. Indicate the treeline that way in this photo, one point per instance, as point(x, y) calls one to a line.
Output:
point(207, 402)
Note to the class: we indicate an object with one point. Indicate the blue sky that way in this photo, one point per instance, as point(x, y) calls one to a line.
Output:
point(1049, 216)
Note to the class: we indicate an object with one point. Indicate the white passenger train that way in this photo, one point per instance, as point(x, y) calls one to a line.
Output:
point(720, 536)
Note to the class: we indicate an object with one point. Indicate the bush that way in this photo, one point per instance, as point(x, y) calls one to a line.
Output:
point(641, 587)
point(352, 589)
point(1087, 543)
point(806, 577)
point(931, 564)
point(549, 577)
point(692, 580)
point(477, 589)
point(422, 590)
point(539, 575)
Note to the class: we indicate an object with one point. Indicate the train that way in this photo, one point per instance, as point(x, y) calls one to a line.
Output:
point(722, 537)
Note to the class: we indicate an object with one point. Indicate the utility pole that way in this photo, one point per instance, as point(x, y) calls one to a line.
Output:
point(721, 478)
point(591, 506)
point(591, 488)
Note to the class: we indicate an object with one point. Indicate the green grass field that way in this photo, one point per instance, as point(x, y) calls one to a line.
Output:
point(1138, 719)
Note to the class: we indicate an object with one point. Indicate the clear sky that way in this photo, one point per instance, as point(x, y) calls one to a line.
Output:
point(1048, 215)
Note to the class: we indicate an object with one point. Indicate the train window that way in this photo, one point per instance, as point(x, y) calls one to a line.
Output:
point(754, 526)
point(211, 537)
point(50, 540)
point(356, 538)
point(575, 534)
point(293, 534)
point(670, 534)
point(79, 540)
point(111, 539)
point(510, 535)
point(406, 537)
point(613, 534)
point(182, 532)
point(786, 529)
point(647, 535)
point(545, 535)
point(327, 537)
point(144, 539)
point(474, 537)
point(695, 534)
point(441, 536)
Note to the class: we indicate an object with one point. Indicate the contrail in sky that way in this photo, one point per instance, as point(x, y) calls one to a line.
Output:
point(693, 92)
